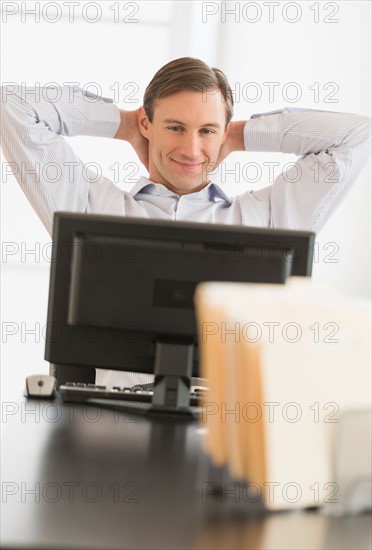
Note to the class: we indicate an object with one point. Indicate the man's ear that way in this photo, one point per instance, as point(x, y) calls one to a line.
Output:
point(226, 132)
point(143, 122)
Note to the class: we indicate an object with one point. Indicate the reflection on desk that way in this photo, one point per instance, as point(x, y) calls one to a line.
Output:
point(84, 477)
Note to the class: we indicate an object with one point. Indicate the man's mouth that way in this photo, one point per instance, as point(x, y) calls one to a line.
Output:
point(187, 165)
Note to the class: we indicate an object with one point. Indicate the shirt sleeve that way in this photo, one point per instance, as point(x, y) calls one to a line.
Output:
point(333, 148)
point(50, 174)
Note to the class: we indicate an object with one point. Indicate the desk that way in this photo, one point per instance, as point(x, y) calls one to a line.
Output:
point(82, 477)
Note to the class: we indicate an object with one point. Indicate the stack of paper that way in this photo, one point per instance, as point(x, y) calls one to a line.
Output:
point(283, 363)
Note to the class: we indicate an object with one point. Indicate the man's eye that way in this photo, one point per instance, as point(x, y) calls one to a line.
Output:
point(175, 128)
point(206, 131)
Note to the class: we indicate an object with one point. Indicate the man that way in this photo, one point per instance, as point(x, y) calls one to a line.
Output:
point(182, 132)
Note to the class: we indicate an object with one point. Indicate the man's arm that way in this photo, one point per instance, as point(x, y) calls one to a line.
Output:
point(50, 174)
point(333, 149)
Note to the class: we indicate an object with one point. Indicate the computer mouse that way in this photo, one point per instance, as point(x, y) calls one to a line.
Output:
point(41, 385)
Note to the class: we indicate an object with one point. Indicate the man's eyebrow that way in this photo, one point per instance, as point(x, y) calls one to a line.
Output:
point(173, 121)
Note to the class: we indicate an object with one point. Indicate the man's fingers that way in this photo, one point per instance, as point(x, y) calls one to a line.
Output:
point(224, 151)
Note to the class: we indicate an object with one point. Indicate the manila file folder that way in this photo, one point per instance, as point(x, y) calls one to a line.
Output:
point(284, 364)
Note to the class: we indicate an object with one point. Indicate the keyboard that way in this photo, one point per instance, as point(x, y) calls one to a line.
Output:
point(78, 392)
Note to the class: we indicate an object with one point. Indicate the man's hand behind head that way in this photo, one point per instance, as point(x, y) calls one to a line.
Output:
point(129, 131)
point(234, 141)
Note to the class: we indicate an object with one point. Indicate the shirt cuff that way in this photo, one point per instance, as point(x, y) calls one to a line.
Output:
point(261, 132)
point(103, 118)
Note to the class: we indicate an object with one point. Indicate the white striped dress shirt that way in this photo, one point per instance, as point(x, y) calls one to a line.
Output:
point(332, 148)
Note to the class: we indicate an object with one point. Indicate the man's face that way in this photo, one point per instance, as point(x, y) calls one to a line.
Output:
point(185, 137)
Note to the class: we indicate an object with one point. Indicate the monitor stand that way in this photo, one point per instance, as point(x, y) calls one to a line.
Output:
point(173, 371)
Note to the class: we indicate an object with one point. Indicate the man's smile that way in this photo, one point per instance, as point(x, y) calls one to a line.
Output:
point(187, 165)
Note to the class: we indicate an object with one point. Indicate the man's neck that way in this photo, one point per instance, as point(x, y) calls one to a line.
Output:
point(181, 192)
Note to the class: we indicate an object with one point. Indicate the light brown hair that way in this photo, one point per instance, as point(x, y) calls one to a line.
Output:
point(187, 74)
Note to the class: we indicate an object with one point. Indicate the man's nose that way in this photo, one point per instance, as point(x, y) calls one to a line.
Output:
point(190, 146)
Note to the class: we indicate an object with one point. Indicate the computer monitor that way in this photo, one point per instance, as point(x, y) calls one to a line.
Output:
point(121, 288)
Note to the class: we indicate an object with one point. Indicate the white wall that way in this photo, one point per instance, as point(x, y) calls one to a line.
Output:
point(335, 55)
point(116, 56)
point(127, 54)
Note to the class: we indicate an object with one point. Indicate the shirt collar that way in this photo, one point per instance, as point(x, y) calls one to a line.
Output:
point(212, 192)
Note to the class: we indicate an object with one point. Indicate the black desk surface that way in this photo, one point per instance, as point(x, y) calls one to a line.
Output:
point(83, 477)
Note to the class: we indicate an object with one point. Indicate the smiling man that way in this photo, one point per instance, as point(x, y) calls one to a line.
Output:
point(184, 144)
point(185, 118)
point(182, 132)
